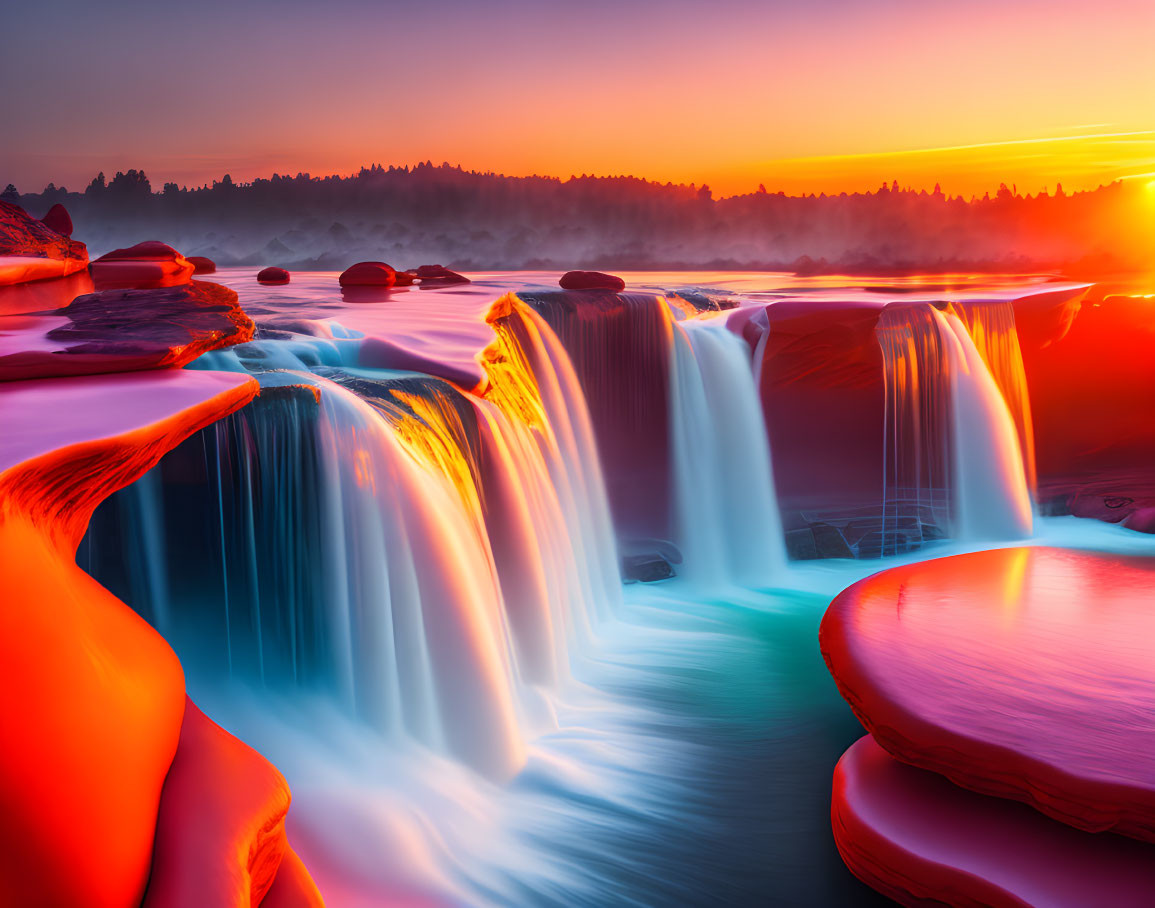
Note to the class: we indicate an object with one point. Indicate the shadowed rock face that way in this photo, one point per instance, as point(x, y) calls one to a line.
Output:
point(30, 250)
point(439, 274)
point(129, 330)
point(58, 220)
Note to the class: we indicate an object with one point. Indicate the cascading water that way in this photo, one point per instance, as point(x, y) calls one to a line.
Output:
point(990, 490)
point(991, 326)
point(728, 525)
point(917, 432)
point(422, 555)
point(953, 454)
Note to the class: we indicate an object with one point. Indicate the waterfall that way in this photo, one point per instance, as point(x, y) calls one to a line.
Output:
point(957, 416)
point(426, 557)
point(917, 432)
point(728, 525)
point(990, 492)
point(991, 325)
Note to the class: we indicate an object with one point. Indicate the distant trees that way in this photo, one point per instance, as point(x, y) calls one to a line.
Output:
point(474, 219)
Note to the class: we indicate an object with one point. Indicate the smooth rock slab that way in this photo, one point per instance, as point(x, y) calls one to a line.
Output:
point(1025, 673)
point(918, 839)
point(122, 331)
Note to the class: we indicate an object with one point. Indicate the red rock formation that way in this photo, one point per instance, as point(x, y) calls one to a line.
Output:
point(98, 740)
point(920, 840)
point(223, 807)
point(1090, 368)
point(91, 725)
point(147, 264)
point(1019, 673)
point(58, 220)
point(273, 275)
point(127, 330)
point(369, 274)
point(591, 280)
point(202, 265)
point(31, 251)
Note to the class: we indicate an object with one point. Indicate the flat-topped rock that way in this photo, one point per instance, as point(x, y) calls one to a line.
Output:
point(920, 840)
point(1024, 673)
point(122, 331)
point(30, 250)
point(147, 264)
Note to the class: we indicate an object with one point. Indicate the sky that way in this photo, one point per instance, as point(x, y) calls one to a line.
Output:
point(801, 96)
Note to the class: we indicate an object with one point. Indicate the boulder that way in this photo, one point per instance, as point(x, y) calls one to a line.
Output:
point(127, 330)
point(147, 264)
point(273, 275)
point(31, 251)
point(202, 265)
point(1018, 673)
point(591, 280)
point(369, 274)
point(58, 220)
point(439, 274)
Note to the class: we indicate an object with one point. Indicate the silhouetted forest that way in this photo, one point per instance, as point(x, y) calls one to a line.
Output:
point(479, 221)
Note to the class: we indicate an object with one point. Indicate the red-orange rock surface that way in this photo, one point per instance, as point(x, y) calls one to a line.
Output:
point(220, 837)
point(125, 330)
point(591, 280)
point(920, 840)
point(92, 698)
point(147, 264)
point(273, 275)
point(30, 250)
point(369, 274)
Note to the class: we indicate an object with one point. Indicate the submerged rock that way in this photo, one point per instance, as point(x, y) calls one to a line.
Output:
point(58, 220)
point(369, 274)
point(439, 274)
point(272, 276)
point(649, 568)
point(591, 280)
point(202, 265)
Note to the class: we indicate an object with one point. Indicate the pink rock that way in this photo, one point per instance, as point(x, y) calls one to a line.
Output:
point(273, 276)
point(591, 280)
point(369, 274)
point(920, 840)
point(1024, 673)
point(58, 220)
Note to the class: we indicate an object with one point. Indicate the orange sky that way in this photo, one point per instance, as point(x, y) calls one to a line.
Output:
point(823, 95)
